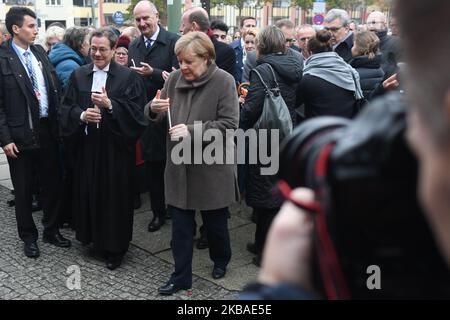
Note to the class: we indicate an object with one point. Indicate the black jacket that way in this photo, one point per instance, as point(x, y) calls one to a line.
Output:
point(17, 98)
point(224, 56)
point(322, 98)
point(370, 73)
point(160, 56)
point(260, 192)
point(344, 49)
point(390, 48)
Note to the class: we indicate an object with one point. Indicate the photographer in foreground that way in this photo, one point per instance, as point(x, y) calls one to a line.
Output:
point(287, 263)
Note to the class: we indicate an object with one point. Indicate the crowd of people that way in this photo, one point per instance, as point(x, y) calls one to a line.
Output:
point(80, 112)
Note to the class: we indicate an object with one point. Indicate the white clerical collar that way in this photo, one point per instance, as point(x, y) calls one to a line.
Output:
point(105, 69)
point(153, 37)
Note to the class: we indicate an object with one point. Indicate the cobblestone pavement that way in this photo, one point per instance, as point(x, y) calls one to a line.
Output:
point(45, 278)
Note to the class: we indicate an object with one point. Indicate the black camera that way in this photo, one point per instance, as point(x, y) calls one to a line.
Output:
point(369, 192)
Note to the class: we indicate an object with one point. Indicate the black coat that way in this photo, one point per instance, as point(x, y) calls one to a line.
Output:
point(160, 56)
point(370, 73)
point(344, 49)
point(390, 48)
point(17, 98)
point(224, 56)
point(260, 189)
point(322, 98)
point(103, 188)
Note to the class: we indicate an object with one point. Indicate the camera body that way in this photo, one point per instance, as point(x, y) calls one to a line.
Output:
point(372, 210)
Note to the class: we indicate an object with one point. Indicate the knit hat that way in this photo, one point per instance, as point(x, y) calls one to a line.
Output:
point(123, 41)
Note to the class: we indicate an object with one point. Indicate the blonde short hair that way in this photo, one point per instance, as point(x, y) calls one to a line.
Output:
point(200, 44)
point(251, 31)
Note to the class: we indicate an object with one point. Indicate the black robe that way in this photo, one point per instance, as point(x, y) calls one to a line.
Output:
point(104, 157)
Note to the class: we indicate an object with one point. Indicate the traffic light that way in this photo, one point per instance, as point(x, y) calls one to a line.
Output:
point(206, 4)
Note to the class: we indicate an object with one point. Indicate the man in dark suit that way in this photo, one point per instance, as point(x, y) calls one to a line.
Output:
point(238, 47)
point(337, 22)
point(29, 100)
point(152, 56)
point(196, 19)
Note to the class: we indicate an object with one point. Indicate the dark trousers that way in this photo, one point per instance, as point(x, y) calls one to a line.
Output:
point(264, 218)
point(45, 161)
point(155, 176)
point(183, 226)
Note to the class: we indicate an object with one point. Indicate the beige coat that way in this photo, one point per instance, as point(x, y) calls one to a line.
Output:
point(211, 99)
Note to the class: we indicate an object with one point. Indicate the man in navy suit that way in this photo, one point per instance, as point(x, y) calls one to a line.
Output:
point(238, 47)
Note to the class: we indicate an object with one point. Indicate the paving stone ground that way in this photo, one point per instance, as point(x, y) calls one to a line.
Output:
point(45, 278)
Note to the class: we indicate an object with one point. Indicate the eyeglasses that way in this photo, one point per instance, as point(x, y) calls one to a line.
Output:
point(333, 29)
point(374, 22)
point(290, 40)
point(121, 54)
point(102, 50)
point(221, 36)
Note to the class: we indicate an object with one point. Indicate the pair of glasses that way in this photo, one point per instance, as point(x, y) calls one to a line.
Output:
point(333, 29)
point(121, 54)
point(305, 38)
point(290, 40)
point(221, 36)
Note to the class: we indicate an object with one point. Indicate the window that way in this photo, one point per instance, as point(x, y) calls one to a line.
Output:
point(53, 2)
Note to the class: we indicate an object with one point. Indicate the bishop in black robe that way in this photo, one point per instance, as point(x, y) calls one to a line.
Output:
point(104, 157)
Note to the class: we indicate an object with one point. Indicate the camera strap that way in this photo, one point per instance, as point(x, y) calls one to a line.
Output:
point(330, 268)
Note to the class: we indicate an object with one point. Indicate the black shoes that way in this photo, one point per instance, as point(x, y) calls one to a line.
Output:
point(31, 249)
point(257, 261)
point(113, 262)
point(57, 240)
point(218, 273)
point(137, 201)
point(171, 288)
point(202, 242)
point(156, 224)
point(251, 247)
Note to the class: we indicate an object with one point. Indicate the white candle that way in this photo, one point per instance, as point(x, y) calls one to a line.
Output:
point(170, 119)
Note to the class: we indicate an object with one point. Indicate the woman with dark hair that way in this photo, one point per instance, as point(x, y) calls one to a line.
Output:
point(329, 86)
point(276, 65)
point(70, 54)
point(367, 61)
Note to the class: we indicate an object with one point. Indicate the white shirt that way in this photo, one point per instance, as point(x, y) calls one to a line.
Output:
point(99, 78)
point(98, 82)
point(37, 67)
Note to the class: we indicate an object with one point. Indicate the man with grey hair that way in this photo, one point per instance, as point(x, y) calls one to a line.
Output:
point(4, 34)
point(390, 47)
point(337, 22)
point(152, 56)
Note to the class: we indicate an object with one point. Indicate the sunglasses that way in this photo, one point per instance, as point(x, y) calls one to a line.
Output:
point(290, 40)
point(334, 29)
point(221, 36)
